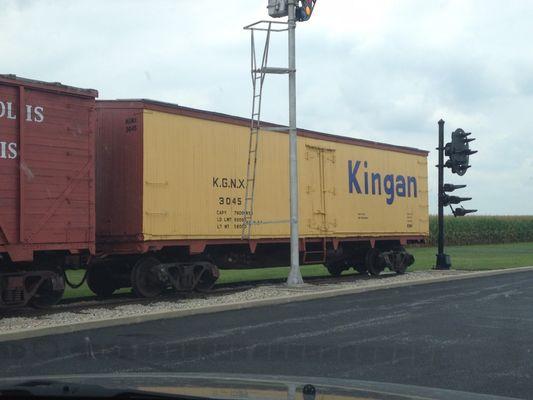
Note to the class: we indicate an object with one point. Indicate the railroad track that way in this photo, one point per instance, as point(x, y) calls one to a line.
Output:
point(84, 305)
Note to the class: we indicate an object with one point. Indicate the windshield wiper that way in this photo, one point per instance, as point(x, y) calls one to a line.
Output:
point(55, 389)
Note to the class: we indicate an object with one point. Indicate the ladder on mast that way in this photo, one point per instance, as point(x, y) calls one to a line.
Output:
point(258, 73)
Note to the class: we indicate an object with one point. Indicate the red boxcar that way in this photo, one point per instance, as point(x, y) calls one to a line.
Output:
point(47, 192)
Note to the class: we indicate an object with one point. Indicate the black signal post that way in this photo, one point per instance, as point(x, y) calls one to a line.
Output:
point(443, 260)
point(459, 152)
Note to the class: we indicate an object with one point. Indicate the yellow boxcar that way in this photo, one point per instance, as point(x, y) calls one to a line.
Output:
point(175, 177)
point(195, 171)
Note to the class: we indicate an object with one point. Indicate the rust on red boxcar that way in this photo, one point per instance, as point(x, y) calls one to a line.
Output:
point(47, 191)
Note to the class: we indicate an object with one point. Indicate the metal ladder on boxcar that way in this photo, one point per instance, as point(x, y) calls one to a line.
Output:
point(258, 79)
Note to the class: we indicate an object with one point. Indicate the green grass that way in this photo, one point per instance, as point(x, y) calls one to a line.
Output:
point(478, 257)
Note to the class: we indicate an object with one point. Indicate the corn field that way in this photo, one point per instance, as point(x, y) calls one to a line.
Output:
point(483, 229)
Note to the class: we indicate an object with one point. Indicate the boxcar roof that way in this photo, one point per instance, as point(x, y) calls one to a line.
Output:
point(231, 119)
point(56, 87)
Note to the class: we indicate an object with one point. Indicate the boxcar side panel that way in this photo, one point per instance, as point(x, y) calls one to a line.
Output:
point(362, 190)
point(119, 174)
point(46, 171)
point(189, 166)
point(194, 184)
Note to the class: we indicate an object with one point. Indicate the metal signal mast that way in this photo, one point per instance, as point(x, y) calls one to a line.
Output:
point(295, 10)
point(459, 152)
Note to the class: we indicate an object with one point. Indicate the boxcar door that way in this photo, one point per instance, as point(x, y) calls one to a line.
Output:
point(319, 189)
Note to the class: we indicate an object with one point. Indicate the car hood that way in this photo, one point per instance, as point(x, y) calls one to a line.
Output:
point(265, 387)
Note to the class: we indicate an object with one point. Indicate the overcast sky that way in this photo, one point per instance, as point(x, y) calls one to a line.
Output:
point(379, 70)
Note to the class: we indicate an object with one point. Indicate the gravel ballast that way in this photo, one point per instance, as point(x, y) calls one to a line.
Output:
point(92, 317)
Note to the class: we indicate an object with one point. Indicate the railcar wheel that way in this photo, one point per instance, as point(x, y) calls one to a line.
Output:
point(206, 282)
point(100, 281)
point(335, 269)
point(49, 293)
point(372, 262)
point(145, 278)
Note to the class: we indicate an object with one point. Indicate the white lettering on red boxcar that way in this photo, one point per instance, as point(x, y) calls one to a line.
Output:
point(33, 114)
point(6, 110)
point(39, 114)
point(12, 150)
point(8, 150)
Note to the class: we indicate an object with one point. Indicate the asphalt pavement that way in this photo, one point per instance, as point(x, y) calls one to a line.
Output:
point(472, 335)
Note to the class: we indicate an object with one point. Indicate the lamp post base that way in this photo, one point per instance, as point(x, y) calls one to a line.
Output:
point(443, 261)
point(295, 277)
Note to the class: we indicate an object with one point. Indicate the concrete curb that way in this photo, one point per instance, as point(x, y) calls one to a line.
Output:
point(105, 323)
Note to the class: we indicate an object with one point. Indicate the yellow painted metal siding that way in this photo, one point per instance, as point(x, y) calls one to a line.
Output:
point(195, 171)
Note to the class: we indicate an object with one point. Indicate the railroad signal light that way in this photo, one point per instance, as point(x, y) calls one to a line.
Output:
point(304, 10)
point(459, 152)
point(461, 212)
point(448, 187)
point(447, 200)
point(278, 8)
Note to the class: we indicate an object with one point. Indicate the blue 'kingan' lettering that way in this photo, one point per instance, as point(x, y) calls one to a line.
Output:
point(352, 176)
point(393, 186)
